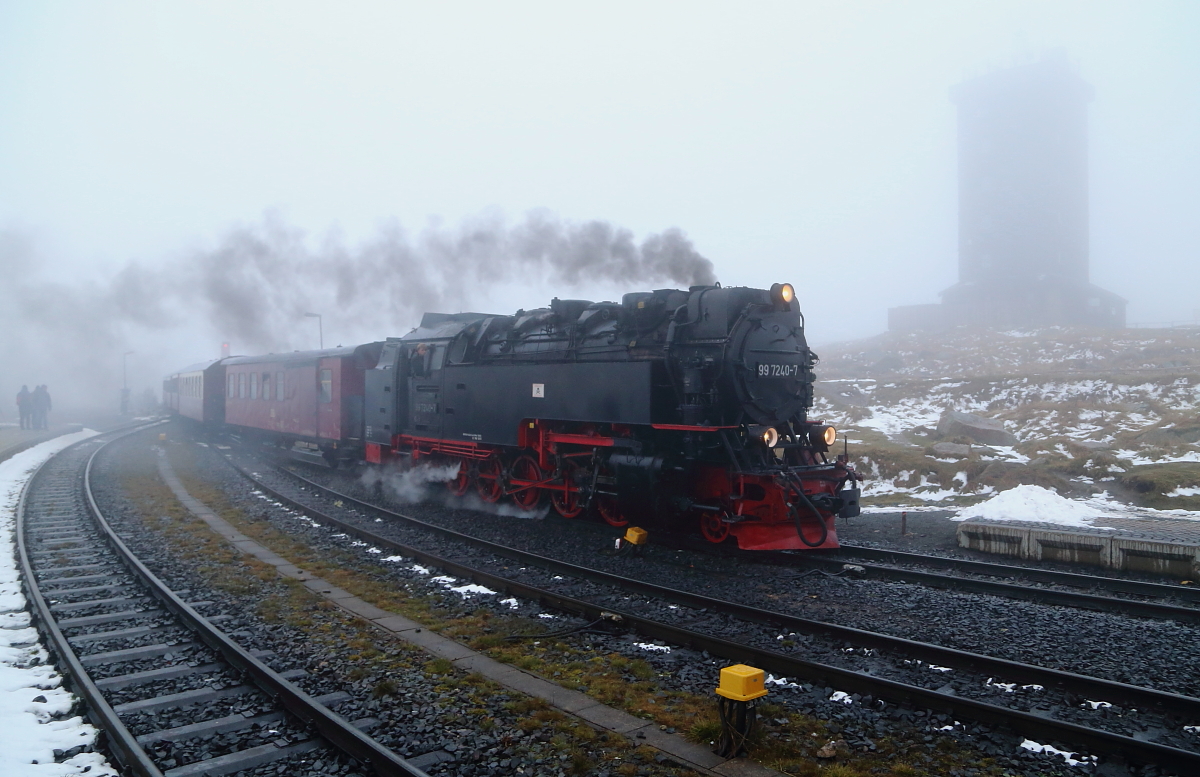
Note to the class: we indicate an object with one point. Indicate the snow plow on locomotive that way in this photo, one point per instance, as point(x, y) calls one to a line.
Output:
point(673, 409)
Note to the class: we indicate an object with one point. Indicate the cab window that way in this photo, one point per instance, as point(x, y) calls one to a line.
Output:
point(439, 357)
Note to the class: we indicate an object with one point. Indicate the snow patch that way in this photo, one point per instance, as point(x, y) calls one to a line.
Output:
point(30, 732)
point(465, 591)
point(1031, 503)
point(1069, 757)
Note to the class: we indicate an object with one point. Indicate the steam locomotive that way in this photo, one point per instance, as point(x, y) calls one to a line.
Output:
point(673, 409)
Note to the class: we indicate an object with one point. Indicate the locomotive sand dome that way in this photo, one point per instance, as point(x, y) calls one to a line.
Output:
point(673, 408)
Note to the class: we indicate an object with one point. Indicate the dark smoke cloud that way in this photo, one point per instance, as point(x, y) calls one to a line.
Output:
point(254, 285)
point(260, 280)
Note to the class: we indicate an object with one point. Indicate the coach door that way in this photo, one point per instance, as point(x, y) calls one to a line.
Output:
point(329, 399)
point(425, 362)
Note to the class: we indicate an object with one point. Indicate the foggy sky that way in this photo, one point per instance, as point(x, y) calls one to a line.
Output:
point(804, 142)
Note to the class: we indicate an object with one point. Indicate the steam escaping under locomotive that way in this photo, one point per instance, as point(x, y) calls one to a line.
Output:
point(671, 409)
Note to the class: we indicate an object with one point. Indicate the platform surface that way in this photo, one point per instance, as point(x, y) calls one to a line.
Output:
point(14, 439)
point(1160, 545)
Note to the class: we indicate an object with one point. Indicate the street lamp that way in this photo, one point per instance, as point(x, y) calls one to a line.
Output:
point(320, 327)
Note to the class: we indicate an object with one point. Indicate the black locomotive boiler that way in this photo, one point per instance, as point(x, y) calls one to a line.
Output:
point(677, 409)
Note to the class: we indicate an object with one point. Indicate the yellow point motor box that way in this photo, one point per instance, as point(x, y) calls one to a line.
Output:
point(742, 683)
point(636, 535)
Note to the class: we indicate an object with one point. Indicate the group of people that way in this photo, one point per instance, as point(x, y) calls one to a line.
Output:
point(33, 406)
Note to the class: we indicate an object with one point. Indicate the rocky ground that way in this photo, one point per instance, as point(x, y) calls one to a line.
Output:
point(948, 419)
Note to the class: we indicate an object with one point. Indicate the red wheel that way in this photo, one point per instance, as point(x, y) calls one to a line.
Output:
point(610, 511)
point(525, 470)
point(566, 498)
point(461, 482)
point(713, 527)
point(489, 479)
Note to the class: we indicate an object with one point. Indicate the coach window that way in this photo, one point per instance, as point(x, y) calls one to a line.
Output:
point(232, 389)
point(266, 385)
point(326, 386)
point(241, 385)
point(279, 386)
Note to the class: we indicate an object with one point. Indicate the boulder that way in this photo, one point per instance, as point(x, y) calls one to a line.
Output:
point(978, 428)
point(951, 449)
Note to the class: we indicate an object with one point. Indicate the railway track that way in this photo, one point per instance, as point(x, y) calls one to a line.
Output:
point(1035, 724)
point(1158, 600)
point(174, 696)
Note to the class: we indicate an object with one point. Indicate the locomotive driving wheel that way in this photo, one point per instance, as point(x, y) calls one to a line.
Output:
point(525, 471)
point(489, 479)
point(714, 527)
point(461, 482)
point(610, 511)
point(566, 498)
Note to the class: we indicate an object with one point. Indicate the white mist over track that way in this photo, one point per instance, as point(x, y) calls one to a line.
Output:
point(410, 485)
point(33, 703)
point(426, 483)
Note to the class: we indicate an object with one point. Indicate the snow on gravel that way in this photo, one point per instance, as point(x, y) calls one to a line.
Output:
point(32, 698)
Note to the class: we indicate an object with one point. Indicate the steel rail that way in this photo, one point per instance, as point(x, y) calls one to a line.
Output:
point(1083, 601)
point(122, 743)
point(993, 569)
point(1030, 724)
point(338, 732)
point(330, 726)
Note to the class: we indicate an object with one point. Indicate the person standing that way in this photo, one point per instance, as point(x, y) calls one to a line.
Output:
point(24, 407)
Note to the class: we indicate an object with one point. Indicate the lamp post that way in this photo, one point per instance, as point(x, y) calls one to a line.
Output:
point(320, 327)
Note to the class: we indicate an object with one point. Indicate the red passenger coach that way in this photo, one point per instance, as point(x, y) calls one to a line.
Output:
point(197, 392)
point(312, 400)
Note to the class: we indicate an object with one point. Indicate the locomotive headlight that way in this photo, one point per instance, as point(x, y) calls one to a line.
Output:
point(822, 436)
point(782, 294)
point(768, 434)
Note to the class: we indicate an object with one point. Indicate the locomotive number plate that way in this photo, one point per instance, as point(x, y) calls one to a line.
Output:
point(769, 370)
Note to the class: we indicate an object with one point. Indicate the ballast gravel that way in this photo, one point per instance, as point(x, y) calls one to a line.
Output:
point(418, 718)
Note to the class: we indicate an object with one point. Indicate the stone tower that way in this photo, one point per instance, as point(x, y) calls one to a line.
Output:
point(1022, 206)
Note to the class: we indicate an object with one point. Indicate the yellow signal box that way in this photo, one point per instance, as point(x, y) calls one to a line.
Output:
point(635, 535)
point(742, 683)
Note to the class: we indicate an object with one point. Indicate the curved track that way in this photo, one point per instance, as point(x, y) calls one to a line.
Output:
point(121, 637)
point(1034, 724)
